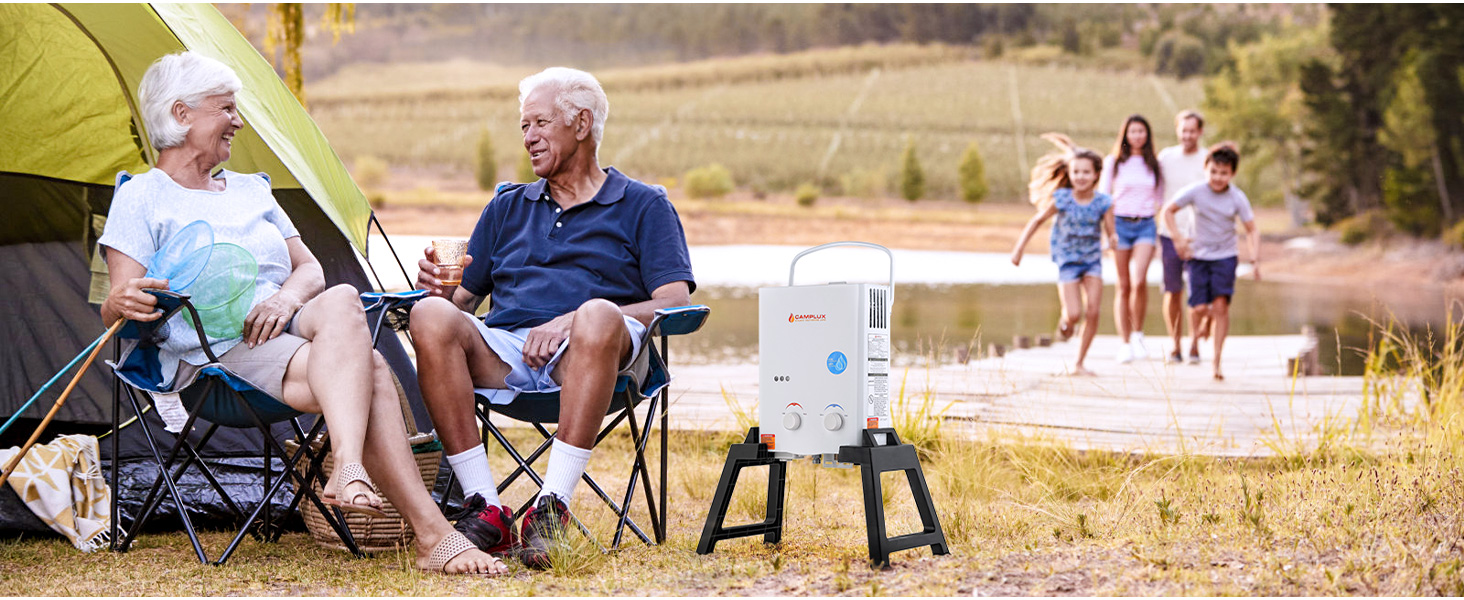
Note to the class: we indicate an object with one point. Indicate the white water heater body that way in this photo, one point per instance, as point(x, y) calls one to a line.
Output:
point(824, 362)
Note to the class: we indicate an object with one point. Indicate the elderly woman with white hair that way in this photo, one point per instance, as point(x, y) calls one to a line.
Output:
point(302, 343)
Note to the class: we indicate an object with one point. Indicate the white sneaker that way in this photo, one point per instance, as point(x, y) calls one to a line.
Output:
point(1126, 354)
point(1136, 340)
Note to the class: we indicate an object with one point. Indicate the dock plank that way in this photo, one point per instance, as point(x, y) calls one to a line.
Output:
point(1145, 406)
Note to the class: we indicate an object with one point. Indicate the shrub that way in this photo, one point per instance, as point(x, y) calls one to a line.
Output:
point(487, 166)
point(992, 47)
point(806, 194)
point(912, 177)
point(1454, 236)
point(369, 171)
point(1363, 227)
point(860, 183)
point(1411, 200)
point(711, 181)
point(972, 175)
point(1179, 54)
point(526, 169)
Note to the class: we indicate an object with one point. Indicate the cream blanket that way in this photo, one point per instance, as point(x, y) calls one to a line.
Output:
point(62, 483)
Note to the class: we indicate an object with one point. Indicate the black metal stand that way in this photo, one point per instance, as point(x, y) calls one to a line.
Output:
point(873, 458)
point(750, 453)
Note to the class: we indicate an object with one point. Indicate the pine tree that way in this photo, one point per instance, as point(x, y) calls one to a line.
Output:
point(912, 177)
point(526, 169)
point(972, 175)
point(487, 166)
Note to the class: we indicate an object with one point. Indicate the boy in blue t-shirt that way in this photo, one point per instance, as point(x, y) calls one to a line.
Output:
point(1213, 249)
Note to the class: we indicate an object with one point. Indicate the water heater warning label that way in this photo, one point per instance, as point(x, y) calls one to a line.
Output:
point(879, 347)
point(877, 380)
point(879, 396)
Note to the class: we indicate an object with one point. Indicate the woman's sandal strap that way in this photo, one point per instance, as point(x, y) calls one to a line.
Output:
point(449, 548)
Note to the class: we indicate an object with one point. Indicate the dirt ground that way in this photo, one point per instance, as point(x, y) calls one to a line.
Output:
point(1290, 255)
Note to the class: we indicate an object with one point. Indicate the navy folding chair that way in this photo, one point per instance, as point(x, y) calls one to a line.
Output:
point(540, 409)
point(221, 399)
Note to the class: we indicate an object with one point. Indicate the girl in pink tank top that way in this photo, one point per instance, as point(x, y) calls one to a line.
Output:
point(1132, 177)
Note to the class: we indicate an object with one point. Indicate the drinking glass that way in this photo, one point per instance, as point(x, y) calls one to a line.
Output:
point(450, 255)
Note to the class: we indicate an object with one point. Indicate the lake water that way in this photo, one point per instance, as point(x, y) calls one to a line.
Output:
point(945, 301)
point(941, 319)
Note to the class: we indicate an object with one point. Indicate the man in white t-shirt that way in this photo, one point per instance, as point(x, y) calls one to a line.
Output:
point(1181, 165)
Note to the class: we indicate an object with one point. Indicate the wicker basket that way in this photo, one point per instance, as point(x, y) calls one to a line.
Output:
point(372, 534)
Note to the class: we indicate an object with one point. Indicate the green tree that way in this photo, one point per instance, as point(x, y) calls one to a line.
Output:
point(972, 174)
point(526, 169)
point(912, 177)
point(1411, 190)
point(1256, 100)
point(487, 165)
point(1345, 103)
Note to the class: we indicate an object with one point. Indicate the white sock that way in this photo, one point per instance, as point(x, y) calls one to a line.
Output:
point(566, 465)
point(474, 474)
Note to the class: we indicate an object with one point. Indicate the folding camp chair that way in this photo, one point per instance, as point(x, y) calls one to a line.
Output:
point(222, 399)
point(539, 409)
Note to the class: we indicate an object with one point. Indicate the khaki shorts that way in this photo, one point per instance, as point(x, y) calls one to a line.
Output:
point(263, 366)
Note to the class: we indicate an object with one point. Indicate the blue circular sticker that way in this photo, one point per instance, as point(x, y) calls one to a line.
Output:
point(838, 362)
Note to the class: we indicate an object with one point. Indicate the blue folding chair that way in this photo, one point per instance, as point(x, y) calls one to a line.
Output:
point(540, 409)
point(219, 398)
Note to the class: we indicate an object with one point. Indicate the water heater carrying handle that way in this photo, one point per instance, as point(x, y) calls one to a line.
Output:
point(794, 265)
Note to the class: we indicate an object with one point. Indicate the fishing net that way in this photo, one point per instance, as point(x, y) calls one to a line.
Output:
point(184, 256)
point(224, 292)
point(218, 276)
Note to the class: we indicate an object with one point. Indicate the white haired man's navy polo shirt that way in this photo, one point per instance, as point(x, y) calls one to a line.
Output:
point(537, 262)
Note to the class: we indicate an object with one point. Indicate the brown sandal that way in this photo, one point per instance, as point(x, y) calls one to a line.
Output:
point(351, 473)
point(450, 547)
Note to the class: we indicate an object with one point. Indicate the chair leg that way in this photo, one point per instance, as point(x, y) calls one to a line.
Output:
point(637, 469)
point(116, 448)
point(665, 433)
point(336, 524)
point(153, 500)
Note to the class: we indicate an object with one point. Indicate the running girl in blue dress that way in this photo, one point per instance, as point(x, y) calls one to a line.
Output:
point(1063, 185)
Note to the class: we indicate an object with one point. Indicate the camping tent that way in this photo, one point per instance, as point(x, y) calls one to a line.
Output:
point(69, 122)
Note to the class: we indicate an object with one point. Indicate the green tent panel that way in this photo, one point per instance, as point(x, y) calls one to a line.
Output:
point(68, 83)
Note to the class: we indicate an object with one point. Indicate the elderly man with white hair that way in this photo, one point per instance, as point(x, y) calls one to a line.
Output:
point(576, 265)
point(304, 345)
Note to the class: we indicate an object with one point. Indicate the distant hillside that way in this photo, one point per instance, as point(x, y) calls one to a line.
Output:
point(600, 36)
point(838, 118)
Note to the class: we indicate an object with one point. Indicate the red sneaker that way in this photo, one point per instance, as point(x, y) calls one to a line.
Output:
point(545, 521)
point(490, 528)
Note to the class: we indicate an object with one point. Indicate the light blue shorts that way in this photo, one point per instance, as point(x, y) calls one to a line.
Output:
point(1133, 231)
point(1076, 271)
point(509, 346)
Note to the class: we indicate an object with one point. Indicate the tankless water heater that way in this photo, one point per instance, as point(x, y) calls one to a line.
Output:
point(824, 362)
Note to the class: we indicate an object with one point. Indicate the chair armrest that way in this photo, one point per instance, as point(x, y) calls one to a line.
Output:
point(373, 300)
point(679, 320)
point(171, 304)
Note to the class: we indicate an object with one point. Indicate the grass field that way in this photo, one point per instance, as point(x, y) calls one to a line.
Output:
point(772, 120)
point(1374, 507)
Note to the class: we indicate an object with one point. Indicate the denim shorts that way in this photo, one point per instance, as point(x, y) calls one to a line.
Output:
point(1174, 266)
point(1133, 231)
point(1076, 271)
point(1211, 279)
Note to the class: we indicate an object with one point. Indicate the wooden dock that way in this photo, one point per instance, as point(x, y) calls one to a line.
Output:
point(1144, 406)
